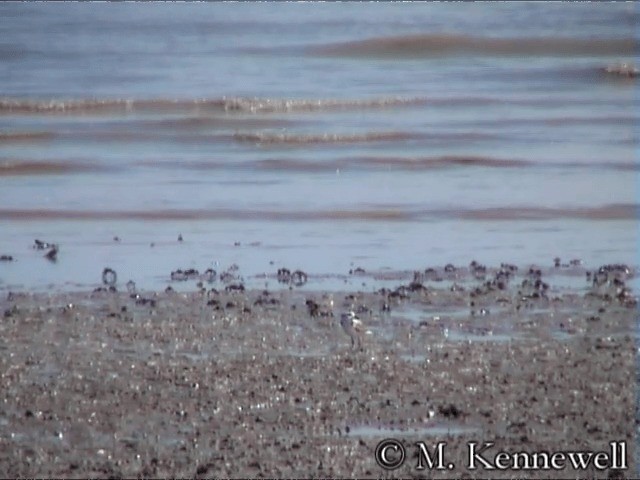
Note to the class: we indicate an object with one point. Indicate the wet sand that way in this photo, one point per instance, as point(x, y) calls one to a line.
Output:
point(266, 384)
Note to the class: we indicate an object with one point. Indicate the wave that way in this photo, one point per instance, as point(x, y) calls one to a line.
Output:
point(395, 163)
point(213, 214)
point(133, 136)
point(25, 136)
point(260, 138)
point(618, 120)
point(305, 165)
point(223, 104)
point(44, 167)
point(606, 212)
point(521, 213)
point(27, 166)
point(327, 138)
point(116, 135)
point(103, 105)
point(293, 165)
point(305, 105)
point(450, 45)
point(201, 112)
point(630, 167)
point(217, 122)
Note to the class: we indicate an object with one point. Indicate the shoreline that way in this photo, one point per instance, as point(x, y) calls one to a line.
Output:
point(255, 383)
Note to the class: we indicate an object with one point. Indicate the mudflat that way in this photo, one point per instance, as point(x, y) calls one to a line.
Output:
point(255, 383)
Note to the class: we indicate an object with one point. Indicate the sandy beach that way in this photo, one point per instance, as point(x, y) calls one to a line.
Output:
point(230, 383)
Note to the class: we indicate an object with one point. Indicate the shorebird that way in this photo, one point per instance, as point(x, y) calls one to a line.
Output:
point(52, 254)
point(353, 327)
point(109, 277)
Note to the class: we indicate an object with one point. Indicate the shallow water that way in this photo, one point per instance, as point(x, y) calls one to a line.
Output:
point(441, 431)
point(313, 136)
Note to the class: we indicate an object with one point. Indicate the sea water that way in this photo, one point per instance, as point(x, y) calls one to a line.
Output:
point(313, 136)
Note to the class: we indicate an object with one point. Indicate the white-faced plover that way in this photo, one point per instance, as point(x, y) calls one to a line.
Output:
point(353, 327)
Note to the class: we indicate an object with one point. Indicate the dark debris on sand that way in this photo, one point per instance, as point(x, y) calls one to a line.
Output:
point(237, 382)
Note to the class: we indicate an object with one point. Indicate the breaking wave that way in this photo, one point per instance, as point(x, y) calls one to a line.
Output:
point(223, 104)
point(328, 138)
point(195, 110)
